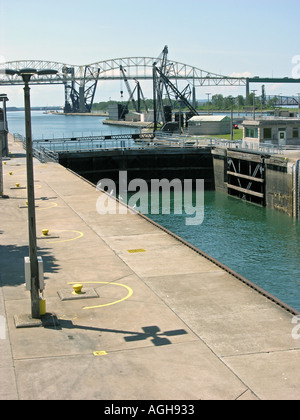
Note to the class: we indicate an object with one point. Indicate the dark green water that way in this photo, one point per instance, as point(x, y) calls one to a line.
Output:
point(258, 243)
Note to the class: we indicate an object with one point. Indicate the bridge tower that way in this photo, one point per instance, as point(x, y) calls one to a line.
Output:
point(166, 94)
point(79, 92)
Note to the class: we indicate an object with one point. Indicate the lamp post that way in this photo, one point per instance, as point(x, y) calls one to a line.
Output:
point(253, 91)
point(231, 117)
point(208, 95)
point(3, 138)
point(154, 98)
point(26, 75)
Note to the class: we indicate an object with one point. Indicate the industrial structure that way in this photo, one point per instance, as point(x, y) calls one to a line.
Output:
point(80, 82)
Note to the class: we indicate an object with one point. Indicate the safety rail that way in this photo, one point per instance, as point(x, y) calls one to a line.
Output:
point(100, 137)
point(49, 155)
point(185, 140)
point(42, 154)
point(49, 149)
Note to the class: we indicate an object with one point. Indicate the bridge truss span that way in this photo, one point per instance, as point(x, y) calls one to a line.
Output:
point(136, 67)
point(80, 81)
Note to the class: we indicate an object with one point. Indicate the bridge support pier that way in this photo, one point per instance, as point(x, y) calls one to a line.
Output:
point(247, 88)
point(82, 107)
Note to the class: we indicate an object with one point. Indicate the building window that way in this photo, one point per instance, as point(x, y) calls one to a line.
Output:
point(252, 132)
point(267, 133)
point(295, 133)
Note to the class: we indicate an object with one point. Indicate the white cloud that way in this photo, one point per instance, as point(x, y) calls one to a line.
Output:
point(244, 74)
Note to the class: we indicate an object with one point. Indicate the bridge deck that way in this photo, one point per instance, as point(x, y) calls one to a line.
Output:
point(168, 324)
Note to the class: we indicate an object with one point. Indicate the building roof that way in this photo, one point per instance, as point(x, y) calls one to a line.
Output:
point(272, 121)
point(210, 118)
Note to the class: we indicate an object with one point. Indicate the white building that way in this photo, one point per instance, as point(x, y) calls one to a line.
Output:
point(209, 125)
point(272, 130)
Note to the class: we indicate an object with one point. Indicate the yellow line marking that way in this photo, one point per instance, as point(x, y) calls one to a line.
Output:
point(135, 251)
point(79, 235)
point(49, 207)
point(99, 353)
point(68, 316)
point(130, 293)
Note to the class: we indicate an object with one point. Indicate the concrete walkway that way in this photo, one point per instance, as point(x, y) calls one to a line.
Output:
point(167, 323)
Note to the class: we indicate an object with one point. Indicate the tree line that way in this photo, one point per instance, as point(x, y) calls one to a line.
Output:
point(217, 102)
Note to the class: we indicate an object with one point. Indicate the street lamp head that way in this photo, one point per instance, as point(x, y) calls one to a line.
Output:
point(3, 97)
point(27, 73)
point(47, 72)
point(9, 72)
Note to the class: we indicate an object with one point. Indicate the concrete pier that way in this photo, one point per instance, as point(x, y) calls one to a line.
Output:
point(166, 323)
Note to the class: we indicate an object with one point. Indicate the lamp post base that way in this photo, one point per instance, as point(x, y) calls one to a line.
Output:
point(26, 321)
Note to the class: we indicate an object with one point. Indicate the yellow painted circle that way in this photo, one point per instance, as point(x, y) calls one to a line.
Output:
point(77, 232)
point(69, 316)
point(129, 294)
point(51, 206)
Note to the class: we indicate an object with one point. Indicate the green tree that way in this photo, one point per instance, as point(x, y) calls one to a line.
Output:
point(249, 99)
point(272, 102)
point(218, 102)
point(240, 101)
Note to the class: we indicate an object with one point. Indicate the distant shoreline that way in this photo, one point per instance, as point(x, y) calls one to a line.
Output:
point(88, 114)
point(59, 111)
point(34, 108)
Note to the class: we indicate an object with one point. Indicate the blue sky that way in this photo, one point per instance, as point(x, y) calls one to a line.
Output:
point(230, 37)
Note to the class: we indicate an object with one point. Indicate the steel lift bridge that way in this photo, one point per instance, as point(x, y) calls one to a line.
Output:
point(80, 81)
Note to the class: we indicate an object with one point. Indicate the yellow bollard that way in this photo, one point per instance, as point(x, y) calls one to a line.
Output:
point(17, 185)
point(10, 173)
point(42, 306)
point(77, 289)
point(45, 232)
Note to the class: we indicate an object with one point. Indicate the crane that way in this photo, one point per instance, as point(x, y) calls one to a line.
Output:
point(137, 106)
point(163, 112)
point(178, 95)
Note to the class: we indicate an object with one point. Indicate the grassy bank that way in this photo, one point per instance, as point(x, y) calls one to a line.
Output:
point(237, 135)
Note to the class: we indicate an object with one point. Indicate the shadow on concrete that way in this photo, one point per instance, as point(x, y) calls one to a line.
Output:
point(12, 264)
point(156, 336)
point(45, 198)
point(18, 155)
